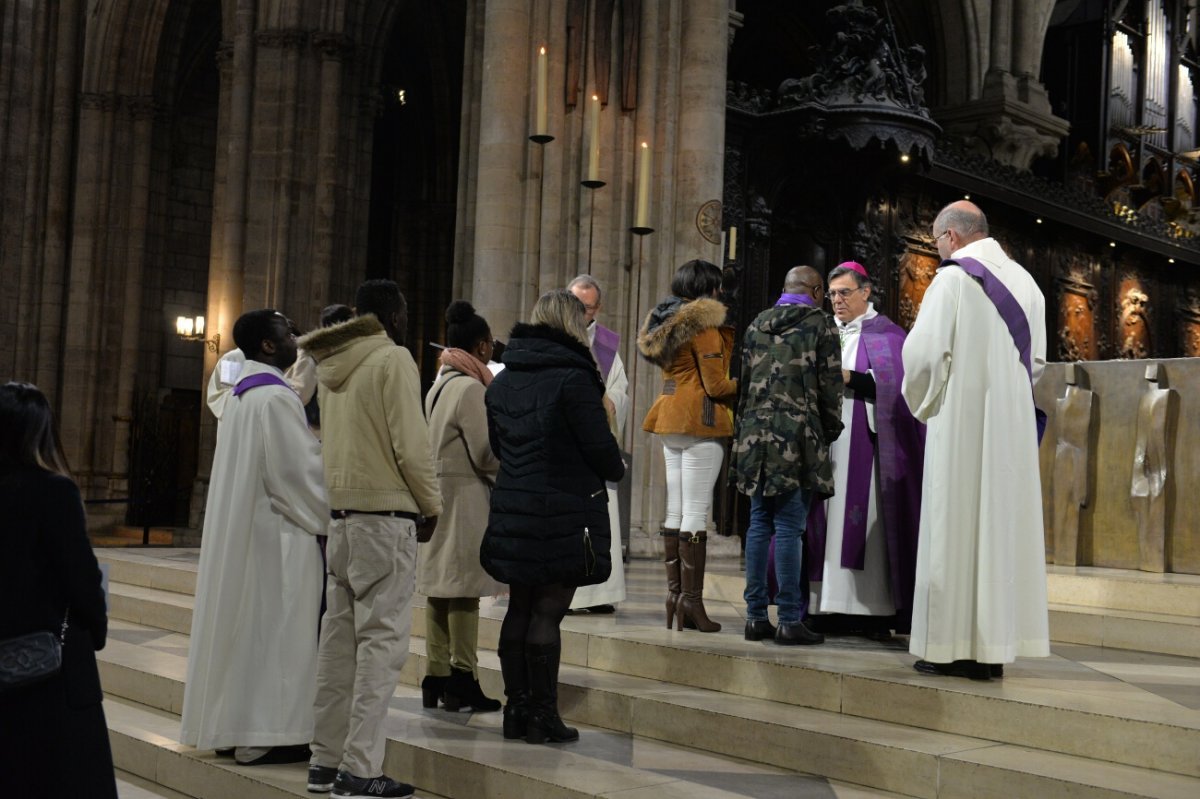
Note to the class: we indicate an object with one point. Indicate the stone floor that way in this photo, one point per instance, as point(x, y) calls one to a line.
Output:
point(1146, 687)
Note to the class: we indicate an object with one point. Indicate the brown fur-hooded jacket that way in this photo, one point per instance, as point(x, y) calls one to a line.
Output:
point(691, 343)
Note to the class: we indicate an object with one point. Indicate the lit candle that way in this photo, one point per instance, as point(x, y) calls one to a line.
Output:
point(541, 92)
point(593, 173)
point(642, 209)
point(733, 244)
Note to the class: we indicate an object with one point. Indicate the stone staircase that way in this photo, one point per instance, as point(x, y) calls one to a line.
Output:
point(668, 714)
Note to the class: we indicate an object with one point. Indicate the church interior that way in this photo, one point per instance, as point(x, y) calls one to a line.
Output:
point(171, 164)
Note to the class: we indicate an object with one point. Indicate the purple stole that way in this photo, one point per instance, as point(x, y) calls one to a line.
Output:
point(604, 347)
point(260, 379)
point(898, 447)
point(1014, 319)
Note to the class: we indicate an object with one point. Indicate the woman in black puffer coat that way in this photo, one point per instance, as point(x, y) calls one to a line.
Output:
point(548, 528)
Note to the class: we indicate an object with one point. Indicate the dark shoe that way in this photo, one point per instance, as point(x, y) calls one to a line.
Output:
point(348, 786)
point(671, 560)
point(546, 726)
point(794, 633)
point(516, 688)
point(996, 670)
point(299, 753)
point(959, 668)
point(516, 717)
point(462, 690)
point(693, 555)
point(432, 689)
point(758, 629)
point(226, 751)
point(601, 609)
point(320, 778)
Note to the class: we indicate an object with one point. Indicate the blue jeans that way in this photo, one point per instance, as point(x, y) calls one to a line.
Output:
point(784, 516)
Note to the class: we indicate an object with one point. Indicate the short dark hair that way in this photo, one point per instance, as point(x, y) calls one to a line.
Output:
point(381, 297)
point(336, 314)
point(27, 437)
point(465, 328)
point(253, 326)
point(859, 279)
point(695, 279)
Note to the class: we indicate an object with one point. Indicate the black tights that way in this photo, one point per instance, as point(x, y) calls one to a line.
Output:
point(534, 613)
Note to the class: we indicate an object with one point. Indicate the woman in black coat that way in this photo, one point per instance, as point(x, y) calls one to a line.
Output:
point(53, 730)
point(548, 527)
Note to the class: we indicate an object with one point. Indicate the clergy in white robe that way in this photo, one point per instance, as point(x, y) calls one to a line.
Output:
point(863, 546)
point(981, 580)
point(251, 677)
point(605, 344)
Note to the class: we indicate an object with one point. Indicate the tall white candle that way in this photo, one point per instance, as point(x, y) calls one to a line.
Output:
point(732, 243)
point(642, 209)
point(593, 172)
point(541, 92)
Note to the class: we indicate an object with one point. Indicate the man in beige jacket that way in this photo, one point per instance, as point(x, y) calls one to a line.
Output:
point(384, 493)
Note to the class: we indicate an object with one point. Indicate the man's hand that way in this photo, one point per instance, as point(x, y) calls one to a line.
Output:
point(845, 377)
point(609, 407)
point(425, 529)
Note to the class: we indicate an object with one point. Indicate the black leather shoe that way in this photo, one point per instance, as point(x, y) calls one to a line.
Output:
point(758, 629)
point(959, 668)
point(997, 670)
point(794, 633)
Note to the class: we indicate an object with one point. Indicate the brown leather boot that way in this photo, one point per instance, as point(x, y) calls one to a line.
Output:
point(671, 560)
point(693, 549)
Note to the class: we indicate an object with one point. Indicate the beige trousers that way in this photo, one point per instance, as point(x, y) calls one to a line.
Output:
point(364, 638)
point(451, 635)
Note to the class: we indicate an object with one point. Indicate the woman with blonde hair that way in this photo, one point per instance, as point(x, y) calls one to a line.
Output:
point(687, 336)
point(548, 531)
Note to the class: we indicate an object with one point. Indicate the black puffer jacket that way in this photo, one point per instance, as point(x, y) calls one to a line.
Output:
point(549, 514)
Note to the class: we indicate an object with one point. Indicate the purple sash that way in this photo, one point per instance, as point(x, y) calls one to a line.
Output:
point(604, 347)
point(858, 475)
point(1014, 318)
point(260, 379)
point(795, 299)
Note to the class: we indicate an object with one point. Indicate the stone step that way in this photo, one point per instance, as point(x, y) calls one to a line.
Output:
point(131, 786)
point(1168, 634)
point(1124, 589)
point(1055, 704)
point(456, 755)
point(883, 755)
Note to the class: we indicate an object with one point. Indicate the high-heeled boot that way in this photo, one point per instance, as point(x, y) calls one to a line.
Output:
point(545, 725)
point(516, 688)
point(432, 689)
point(670, 539)
point(693, 550)
point(462, 690)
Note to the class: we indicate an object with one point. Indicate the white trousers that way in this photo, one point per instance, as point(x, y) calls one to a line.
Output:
point(693, 465)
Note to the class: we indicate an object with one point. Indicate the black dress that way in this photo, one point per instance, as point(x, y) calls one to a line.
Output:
point(549, 509)
point(53, 736)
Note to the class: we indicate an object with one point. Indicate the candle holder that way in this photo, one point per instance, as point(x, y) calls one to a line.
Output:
point(641, 231)
point(541, 138)
point(592, 184)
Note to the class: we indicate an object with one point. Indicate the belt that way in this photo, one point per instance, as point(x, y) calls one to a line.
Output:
point(396, 514)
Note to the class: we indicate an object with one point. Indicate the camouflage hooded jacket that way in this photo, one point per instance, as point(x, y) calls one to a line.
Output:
point(791, 405)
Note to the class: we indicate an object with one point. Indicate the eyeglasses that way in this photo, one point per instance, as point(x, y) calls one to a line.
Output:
point(945, 232)
point(843, 293)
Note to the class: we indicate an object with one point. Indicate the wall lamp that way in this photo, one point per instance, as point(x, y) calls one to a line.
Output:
point(192, 329)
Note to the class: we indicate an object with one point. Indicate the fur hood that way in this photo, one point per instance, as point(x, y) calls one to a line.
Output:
point(674, 323)
point(339, 349)
point(324, 341)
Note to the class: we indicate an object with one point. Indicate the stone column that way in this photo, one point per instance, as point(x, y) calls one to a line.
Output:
point(334, 49)
point(504, 113)
point(700, 154)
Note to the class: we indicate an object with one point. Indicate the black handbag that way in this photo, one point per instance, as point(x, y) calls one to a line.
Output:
point(31, 658)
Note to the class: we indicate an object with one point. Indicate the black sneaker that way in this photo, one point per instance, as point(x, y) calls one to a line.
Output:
point(351, 787)
point(320, 778)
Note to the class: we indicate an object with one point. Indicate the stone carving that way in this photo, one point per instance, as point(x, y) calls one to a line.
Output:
point(1073, 419)
point(916, 273)
point(1076, 318)
point(1133, 329)
point(1151, 460)
point(708, 221)
point(865, 88)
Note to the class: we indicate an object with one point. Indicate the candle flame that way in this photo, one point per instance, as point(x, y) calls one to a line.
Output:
point(541, 51)
point(644, 145)
point(596, 97)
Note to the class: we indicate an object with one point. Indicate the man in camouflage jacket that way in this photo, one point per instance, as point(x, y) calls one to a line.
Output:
point(790, 412)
